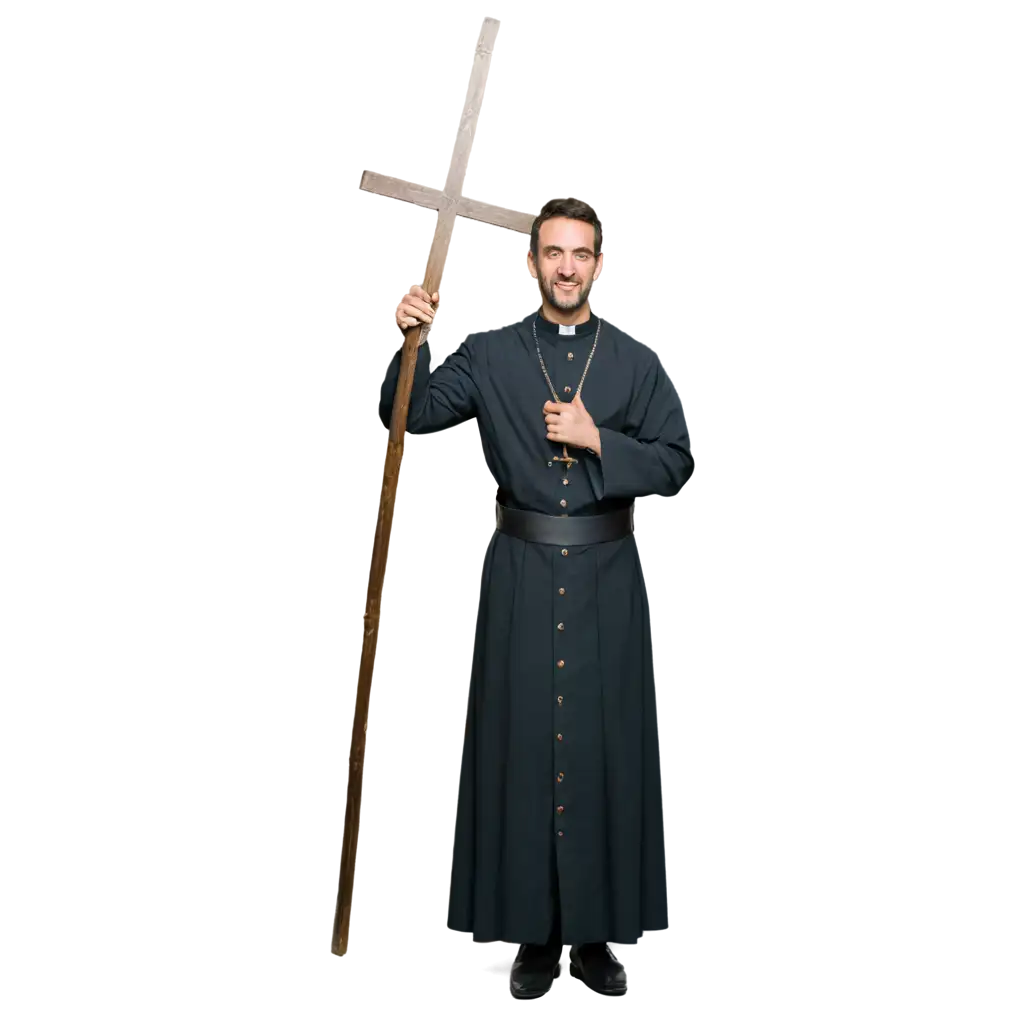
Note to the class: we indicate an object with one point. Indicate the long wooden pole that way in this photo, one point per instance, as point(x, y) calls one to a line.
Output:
point(446, 214)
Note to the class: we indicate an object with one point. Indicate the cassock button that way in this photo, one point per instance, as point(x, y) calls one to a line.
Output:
point(565, 481)
point(561, 590)
point(560, 808)
point(560, 833)
point(561, 775)
point(561, 626)
point(559, 700)
point(570, 357)
point(563, 503)
point(565, 551)
point(559, 737)
point(561, 663)
point(567, 389)
point(550, 463)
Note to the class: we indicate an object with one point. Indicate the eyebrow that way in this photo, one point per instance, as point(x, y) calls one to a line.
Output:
point(579, 248)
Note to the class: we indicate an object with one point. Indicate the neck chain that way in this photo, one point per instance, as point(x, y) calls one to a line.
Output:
point(566, 458)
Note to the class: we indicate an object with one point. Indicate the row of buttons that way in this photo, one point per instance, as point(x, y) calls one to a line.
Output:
point(560, 809)
point(565, 483)
point(561, 590)
point(565, 480)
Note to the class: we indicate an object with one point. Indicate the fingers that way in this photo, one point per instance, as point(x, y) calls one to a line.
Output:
point(406, 317)
point(565, 424)
point(416, 307)
point(416, 292)
point(418, 299)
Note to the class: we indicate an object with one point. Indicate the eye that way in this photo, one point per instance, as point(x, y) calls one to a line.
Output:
point(582, 256)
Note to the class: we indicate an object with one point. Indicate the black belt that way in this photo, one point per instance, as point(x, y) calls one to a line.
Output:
point(565, 530)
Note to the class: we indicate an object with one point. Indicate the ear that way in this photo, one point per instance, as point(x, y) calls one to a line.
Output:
point(600, 264)
point(530, 265)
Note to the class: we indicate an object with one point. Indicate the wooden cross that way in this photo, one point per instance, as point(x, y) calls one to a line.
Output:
point(390, 183)
point(449, 204)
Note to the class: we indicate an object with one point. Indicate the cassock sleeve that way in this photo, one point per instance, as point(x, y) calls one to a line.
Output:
point(439, 399)
point(652, 453)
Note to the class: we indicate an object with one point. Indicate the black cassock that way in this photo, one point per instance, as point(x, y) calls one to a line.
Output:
point(560, 787)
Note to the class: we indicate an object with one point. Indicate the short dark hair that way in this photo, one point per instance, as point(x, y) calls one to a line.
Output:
point(574, 209)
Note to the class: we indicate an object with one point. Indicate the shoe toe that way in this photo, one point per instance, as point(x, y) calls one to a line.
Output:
point(529, 981)
point(599, 969)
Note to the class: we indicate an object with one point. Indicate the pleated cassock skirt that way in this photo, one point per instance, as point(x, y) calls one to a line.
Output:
point(560, 785)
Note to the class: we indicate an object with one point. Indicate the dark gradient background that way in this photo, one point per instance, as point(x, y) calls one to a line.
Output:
point(192, 307)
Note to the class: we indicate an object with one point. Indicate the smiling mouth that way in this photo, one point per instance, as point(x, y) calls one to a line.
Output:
point(566, 286)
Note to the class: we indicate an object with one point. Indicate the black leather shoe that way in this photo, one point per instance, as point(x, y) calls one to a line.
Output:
point(534, 969)
point(596, 966)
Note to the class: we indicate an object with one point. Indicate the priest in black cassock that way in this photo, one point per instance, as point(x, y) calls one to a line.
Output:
point(558, 834)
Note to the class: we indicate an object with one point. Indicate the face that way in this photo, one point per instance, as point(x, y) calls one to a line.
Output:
point(566, 266)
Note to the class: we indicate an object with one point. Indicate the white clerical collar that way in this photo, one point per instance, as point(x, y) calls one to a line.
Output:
point(566, 331)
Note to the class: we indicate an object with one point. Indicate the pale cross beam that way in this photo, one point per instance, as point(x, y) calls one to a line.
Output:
point(400, 185)
point(449, 204)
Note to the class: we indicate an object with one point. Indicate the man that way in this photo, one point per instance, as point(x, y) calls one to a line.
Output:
point(558, 835)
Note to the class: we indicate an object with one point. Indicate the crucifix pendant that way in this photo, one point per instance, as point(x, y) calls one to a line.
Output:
point(566, 458)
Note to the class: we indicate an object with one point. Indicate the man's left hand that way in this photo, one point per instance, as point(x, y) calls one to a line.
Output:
point(570, 423)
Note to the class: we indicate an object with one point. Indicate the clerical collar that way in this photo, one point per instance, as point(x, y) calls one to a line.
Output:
point(570, 331)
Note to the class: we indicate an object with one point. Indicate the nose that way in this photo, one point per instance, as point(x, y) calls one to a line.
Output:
point(566, 267)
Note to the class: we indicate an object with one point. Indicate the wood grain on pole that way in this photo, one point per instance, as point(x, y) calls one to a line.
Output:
point(389, 485)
